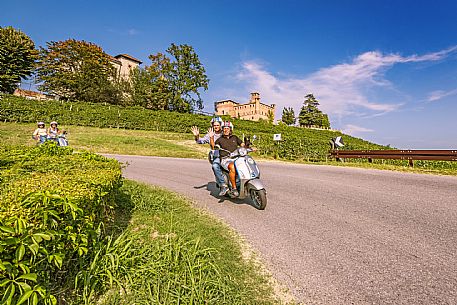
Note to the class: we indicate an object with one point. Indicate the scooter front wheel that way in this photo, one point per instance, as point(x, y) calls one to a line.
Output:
point(259, 198)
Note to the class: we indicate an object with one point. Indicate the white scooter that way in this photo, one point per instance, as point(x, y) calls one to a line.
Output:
point(248, 177)
point(60, 139)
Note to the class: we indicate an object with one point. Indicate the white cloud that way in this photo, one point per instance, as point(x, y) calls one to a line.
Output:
point(132, 32)
point(440, 94)
point(355, 130)
point(341, 89)
point(128, 32)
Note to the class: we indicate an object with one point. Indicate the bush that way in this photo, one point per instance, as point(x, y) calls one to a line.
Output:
point(54, 207)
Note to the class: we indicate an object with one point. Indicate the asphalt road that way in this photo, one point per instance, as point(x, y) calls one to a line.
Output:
point(336, 235)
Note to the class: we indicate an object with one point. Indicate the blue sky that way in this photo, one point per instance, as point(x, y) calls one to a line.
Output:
point(385, 71)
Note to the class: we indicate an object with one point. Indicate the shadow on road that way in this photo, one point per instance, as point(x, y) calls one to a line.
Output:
point(214, 191)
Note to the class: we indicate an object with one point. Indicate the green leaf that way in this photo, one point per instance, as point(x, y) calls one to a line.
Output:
point(41, 291)
point(52, 299)
point(36, 239)
point(34, 248)
point(82, 251)
point(58, 259)
point(11, 241)
point(20, 251)
point(4, 282)
point(35, 298)
point(8, 296)
point(43, 236)
point(7, 229)
point(29, 276)
point(24, 297)
point(7, 265)
point(25, 269)
point(19, 226)
point(24, 286)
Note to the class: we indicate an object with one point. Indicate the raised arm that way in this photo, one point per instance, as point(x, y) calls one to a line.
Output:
point(196, 132)
point(211, 137)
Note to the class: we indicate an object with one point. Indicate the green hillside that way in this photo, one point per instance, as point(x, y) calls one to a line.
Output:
point(297, 143)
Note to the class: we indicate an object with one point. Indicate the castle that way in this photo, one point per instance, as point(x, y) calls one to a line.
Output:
point(254, 110)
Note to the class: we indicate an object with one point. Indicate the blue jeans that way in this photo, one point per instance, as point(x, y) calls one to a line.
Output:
point(217, 170)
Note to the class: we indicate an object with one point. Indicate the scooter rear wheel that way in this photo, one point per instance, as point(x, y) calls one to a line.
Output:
point(259, 199)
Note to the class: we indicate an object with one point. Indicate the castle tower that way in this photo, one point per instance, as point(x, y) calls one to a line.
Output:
point(255, 99)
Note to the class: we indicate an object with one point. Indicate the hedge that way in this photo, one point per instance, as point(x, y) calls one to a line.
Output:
point(54, 206)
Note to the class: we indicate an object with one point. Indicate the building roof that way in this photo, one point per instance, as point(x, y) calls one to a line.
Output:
point(129, 57)
point(223, 101)
point(266, 105)
point(24, 92)
point(114, 59)
point(240, 105)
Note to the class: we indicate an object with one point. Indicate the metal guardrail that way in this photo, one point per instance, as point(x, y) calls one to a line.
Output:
point(410, 155)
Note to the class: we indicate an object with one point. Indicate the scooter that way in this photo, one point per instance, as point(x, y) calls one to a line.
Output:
point(62, 139)
point(248, 177)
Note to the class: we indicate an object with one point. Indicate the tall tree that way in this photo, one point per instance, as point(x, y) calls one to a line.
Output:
point(187, 77)
point(78, 70)
point(288, 116)
point(170, 83)
point(17, 58)
point(310, 115)
point(150, 86)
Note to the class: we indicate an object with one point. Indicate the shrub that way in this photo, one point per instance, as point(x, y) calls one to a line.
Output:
point(54, 207)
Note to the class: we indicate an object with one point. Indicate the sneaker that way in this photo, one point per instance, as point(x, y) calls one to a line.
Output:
point(234, 193)
point(224, 190)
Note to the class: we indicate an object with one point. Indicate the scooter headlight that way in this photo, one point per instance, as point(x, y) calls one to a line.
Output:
point(242, 151)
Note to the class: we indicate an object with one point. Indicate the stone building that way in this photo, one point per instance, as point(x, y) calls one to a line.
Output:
point(254, 110)
point(124, 63)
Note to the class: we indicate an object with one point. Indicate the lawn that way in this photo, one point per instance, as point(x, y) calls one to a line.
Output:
point(168, 252)
point(114, 140)
point(182, 145)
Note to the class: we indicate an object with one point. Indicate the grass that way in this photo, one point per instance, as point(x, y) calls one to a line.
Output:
point(168, 252)
point(420, 167)
point(447, 168)
point(113, 140)
point(181, 145)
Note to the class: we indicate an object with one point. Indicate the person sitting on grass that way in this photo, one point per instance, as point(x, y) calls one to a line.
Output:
point(53, 132)
point(40, 134)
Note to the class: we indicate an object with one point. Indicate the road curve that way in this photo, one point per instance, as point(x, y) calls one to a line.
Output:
point(336, 235)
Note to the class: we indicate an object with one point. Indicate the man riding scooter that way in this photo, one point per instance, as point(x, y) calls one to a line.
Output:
point(228, 142)
point(215, 132)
